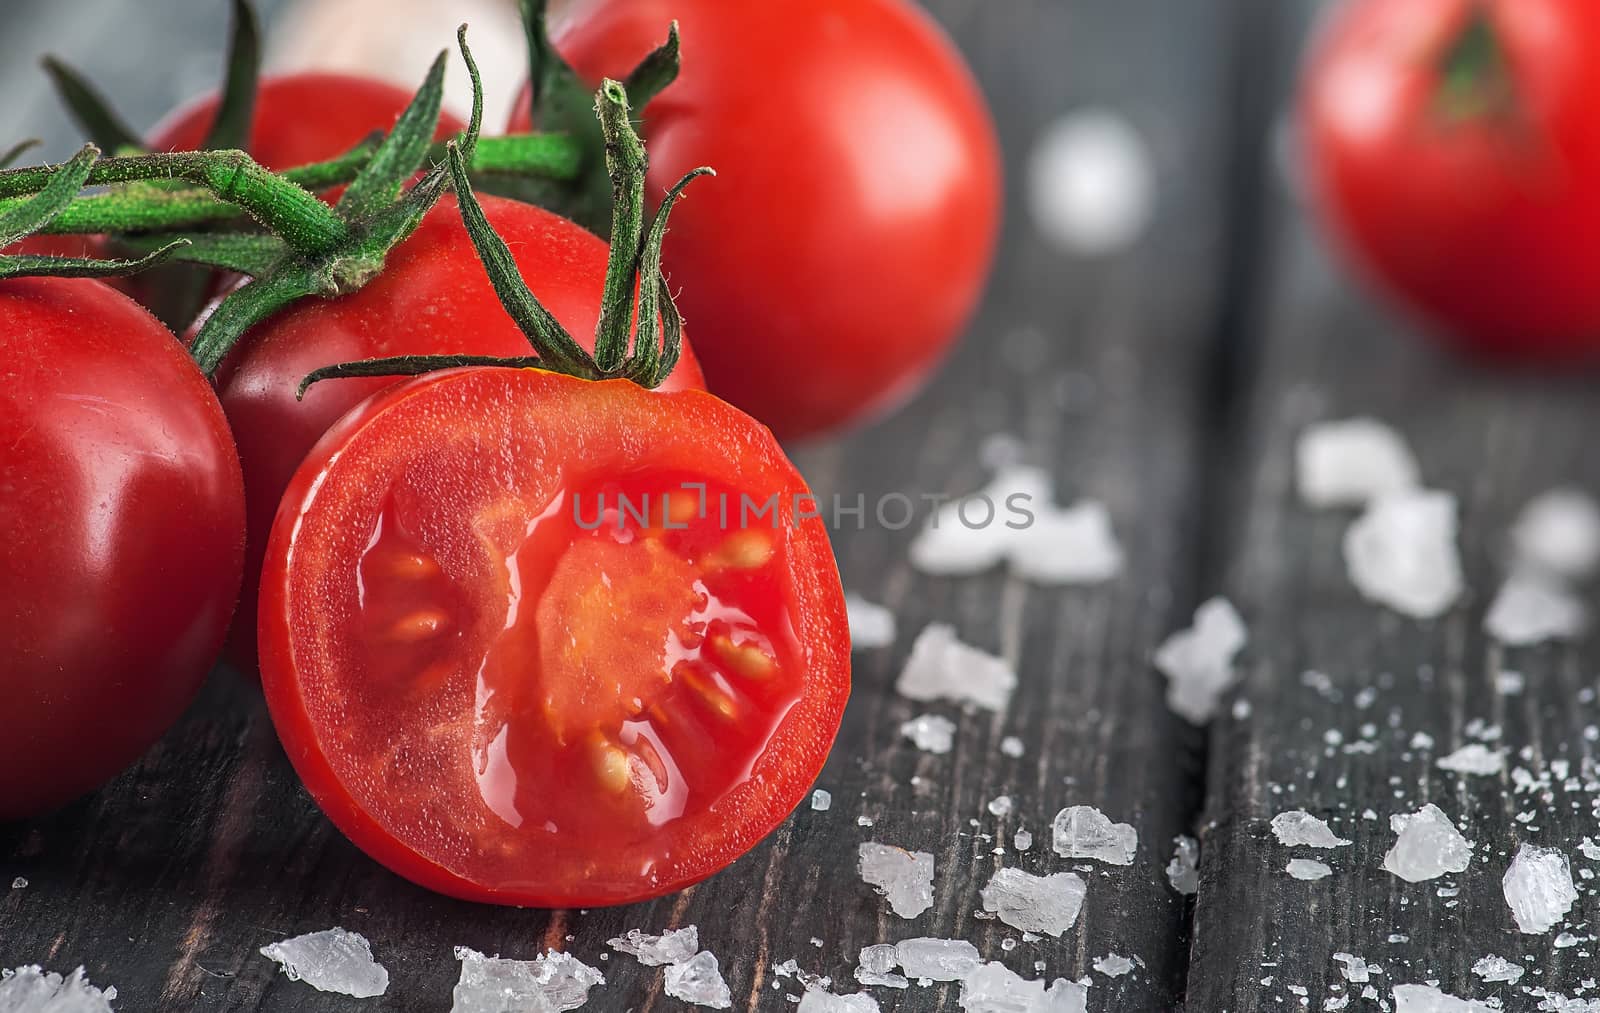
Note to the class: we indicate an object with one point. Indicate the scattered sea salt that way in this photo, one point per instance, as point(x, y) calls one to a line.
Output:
point(1493, 968)
point(904, 877)
point(1113, 965)
point(331, 961)
point(1298, 828)
point(822, 800)
point(1082, 831)
point(32, 989)
point(1355, 970)
point(936, 959)
point(1305, 868)
point(1022, 840)
point(820, 1000)
point(942, 667)
point(673, 947)
point(1048, 905)
point(1000, 805)
point(1530, 609)
point(550, 983)
point(1068, 545)
point(1183, 871)
point(995, 988)
point(698, 980)
point(1402, 553)
point(1558, 533)
point(1427, 999)
point(1351, 462)
point(876, 964)
point(1538, 888)
point(871, 625)
point(1011, 746)
point(1474, 758)
point(1091, 188)
point(1509, 683)
point(931, 733)
point(1427, 846)
point(1198, 661)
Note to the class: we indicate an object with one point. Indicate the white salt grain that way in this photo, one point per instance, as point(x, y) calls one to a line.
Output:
point(1476, 759)
point(1113, 965)
point(1298, 828)
point(936, 959)
point(1198, 661)
point(942, 667)
point(820, 1000)
point(1071, 545)
point(1305, 868)
point(32, 989)
point(1082, 831)
point(552, 982)
point(1022, 840)
point(698, 980)
point(331, 961)
point(1427, 846)
point(1495, 968)
point(871, 625)
point(904, 877)
point(1000, 805)
point(995, 988)
point(1427, 999)
point(1402, 553)
point(1011, 746)
point(822, 800)
point(1558, 533)
point(931, 733)
point(1531, 609)
point(1183, 871)
point(673, 947)
point(1538, 888)
point(1352, 462)
point(19, 883)
point(1048, 905)
point(1090, 183)
point(1355, 970)
point(876, 964)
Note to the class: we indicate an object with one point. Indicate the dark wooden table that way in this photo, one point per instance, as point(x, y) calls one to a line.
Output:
point(1170, 381)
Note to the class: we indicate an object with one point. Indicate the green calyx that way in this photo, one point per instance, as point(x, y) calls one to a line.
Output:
point(634, 267)
point(1475, 80)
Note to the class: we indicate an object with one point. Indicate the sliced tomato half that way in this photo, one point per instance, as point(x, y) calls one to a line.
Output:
point(542, 641)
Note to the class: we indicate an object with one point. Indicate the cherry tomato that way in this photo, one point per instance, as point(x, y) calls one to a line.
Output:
point(853, 220)
point(433, 297)
point(1454, 153)
point(518, 654)
point(301, 118)
point(122, 516)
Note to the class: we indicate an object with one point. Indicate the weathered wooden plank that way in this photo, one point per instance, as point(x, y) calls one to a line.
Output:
point(1340, 743)
point(166, 882)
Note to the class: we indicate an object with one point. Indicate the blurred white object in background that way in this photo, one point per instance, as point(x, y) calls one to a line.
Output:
point(396, 41)
point(1091, 186)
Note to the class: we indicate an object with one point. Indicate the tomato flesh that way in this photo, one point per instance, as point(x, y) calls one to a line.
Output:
point(515, 660)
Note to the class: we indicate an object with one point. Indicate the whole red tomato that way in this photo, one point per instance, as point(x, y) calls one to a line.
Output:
point(122, 517)
point(300, 118)
point(432, 298)
point(847, 238)
point(1454, 152)
point(527, 640)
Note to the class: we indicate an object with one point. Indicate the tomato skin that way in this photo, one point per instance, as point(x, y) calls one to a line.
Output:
point(122, 510)
point(1484, 224)
point(417, 435)
point(432, 298)
point(853, 220)
point(300, 118)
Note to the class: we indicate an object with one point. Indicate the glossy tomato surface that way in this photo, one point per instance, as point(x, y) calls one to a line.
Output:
point(432, 298)
point(846, 240)
point(1454, 151)
point(518, 654)
point(122, 516)
point(300, 118)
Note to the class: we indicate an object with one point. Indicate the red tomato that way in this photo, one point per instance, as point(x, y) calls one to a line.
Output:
point(433, 297)
point(122, 514)
point(301, 118)
point(853, 220)
point(515, 661)
point(1458, 162)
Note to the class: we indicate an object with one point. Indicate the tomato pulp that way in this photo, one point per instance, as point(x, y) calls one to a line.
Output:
point(122, 516)
point(1454, 153)
point(847, 237)
point(519, 654)
point(432, 298)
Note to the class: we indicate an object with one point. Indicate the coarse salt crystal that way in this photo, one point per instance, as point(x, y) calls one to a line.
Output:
point(936, 959)
point(820, 1000)
point(1402, 553)
point(995, 988)
point(1427, 999)
point(1198, 661)
point(1183, 871)
point(673, 947)
point(1558, 532)
point(1427, 846)
point(871, 625)
point(32, 989)
point(1091, 188)
point(1496, 968)
point(1048, 905)
point(1113, 965)
point(1307, 869)
point(876, 964)
point(1530, 609)
point(942, 667)
point(931, 733)
point(1297, 828)
point(698, 980)
point(331, 961)
point(553, 982)
point(1351, 462)
point(1538, 888)
point(822, 800)
point(904, 877)
point(1082, 831)
point(1474, 758)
